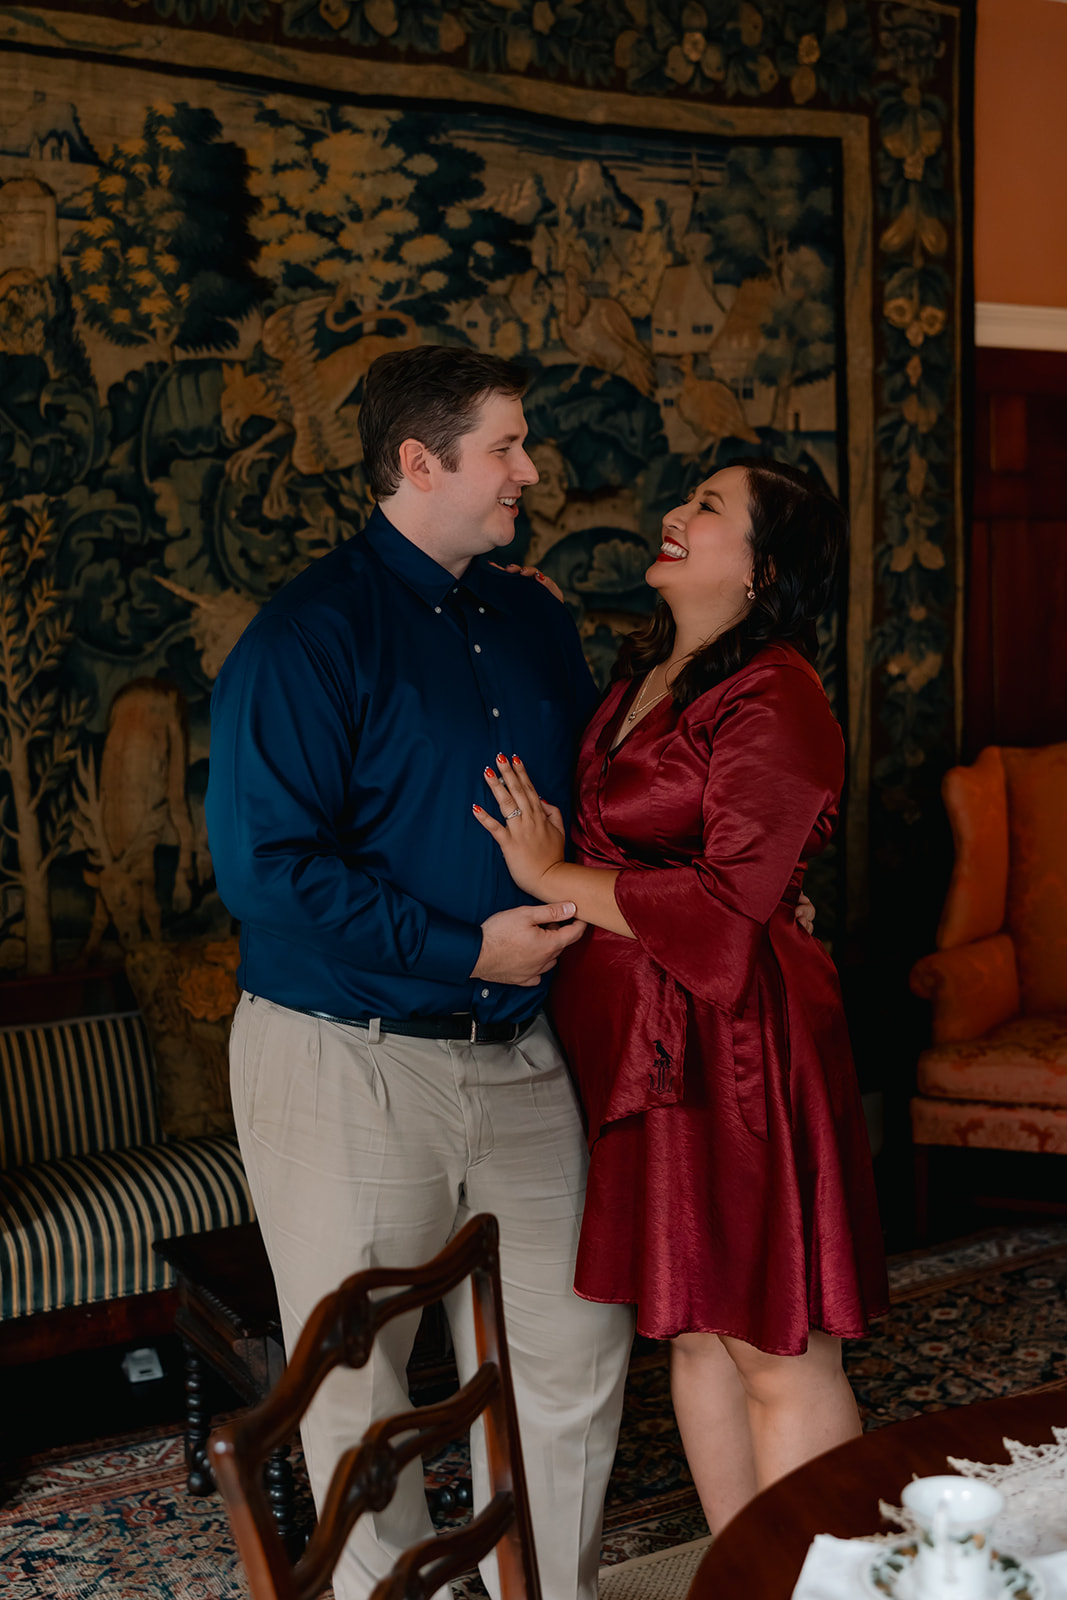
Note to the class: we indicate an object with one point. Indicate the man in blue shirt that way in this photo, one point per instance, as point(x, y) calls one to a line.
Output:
point(392, 1072)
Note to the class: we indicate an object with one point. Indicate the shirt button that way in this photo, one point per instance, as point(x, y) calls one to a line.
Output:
point(481, 611)
point(477, 649)
point(485, 994)
point(496, 713)
point(437, 609)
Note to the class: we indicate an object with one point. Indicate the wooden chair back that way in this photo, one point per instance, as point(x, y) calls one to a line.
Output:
point(341, 1332)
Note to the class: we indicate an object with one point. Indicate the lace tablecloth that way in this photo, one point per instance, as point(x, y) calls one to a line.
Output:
point(1034, 1486)
point(1032, 1526)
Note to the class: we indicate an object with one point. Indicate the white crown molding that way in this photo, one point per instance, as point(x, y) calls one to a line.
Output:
point(1010, 327)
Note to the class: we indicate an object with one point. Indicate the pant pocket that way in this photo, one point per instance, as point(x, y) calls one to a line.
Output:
point(247, 1034)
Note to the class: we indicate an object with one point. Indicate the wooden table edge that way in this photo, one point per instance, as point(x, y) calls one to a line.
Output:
point(762, 1549)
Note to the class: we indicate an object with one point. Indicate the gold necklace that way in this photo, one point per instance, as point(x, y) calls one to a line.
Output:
point(640, 704)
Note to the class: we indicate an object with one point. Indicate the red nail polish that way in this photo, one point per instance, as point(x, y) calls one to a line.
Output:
point(516, 762)
point(502, 758)
point(476, 808)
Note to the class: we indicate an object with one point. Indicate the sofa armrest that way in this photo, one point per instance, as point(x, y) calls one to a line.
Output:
point(973, 988)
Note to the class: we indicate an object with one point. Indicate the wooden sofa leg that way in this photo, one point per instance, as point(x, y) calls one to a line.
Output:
point(922, 1192)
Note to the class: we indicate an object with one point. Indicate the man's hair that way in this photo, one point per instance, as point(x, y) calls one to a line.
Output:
point(431, 393)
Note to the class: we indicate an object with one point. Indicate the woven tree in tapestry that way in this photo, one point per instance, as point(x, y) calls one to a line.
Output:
point(165, 257)
point(771, 223)
point(39, 724)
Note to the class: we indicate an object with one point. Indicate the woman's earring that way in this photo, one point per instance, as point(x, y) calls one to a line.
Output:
point(752, 594)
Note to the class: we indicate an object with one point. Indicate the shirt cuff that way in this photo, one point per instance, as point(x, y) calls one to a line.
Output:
point(450, 949)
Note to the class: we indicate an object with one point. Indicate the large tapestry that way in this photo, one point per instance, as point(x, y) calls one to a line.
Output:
point(708, 229)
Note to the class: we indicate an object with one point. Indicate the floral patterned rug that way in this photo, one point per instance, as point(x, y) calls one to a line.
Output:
point(969, 1322)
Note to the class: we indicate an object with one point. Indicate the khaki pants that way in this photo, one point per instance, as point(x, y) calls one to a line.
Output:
point(362, 1155)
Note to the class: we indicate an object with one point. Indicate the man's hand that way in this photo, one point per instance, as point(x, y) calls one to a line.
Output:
point(805, 914)
point(520, 946)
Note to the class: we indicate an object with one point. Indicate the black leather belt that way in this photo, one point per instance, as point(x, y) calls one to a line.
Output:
point(461, 1025)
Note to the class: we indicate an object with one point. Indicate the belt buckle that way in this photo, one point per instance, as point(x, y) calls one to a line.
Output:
point(514, 1028)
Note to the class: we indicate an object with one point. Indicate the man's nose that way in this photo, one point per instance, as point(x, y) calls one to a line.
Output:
point(527, 473)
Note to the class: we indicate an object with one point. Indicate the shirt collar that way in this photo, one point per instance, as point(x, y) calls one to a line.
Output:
point(419, 571)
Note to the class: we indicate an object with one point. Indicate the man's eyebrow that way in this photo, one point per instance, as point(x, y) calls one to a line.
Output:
point(507, 438)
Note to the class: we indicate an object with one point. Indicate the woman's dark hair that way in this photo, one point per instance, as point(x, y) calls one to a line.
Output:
point(430, 393)
point(799, 533)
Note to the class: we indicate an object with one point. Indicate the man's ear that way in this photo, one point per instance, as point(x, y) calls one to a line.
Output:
point(417, 464)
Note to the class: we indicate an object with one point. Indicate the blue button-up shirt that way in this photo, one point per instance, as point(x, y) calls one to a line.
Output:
point(349, 729)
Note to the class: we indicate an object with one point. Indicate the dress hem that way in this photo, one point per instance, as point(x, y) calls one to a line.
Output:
point(730, 1333)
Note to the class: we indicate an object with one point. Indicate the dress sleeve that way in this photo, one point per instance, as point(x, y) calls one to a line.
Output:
point(775, 765)
point(283, 739)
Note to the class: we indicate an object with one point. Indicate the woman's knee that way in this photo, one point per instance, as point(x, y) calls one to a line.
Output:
point(697, 1346)
point(769, 1378)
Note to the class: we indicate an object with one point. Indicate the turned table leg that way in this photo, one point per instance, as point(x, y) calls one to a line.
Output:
point(197, 1425)
point(280, 1493)
point(228, 1322)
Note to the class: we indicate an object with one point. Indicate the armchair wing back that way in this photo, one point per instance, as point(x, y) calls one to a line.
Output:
point(1037, 880)
point(972, 980)
point(996, 1076)
point(976, 799)
point(1002, 938)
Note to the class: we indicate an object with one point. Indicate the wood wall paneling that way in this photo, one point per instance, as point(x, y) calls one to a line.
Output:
point(1016, 639)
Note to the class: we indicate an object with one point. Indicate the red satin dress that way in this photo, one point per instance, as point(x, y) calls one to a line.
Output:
point(730, 1185)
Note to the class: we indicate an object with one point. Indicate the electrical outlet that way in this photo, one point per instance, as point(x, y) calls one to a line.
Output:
point(140, 1366)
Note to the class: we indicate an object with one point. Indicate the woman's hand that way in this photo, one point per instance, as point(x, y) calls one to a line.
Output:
point(532, 835)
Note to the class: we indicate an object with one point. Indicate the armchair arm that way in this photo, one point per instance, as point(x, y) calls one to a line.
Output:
point(973, 988)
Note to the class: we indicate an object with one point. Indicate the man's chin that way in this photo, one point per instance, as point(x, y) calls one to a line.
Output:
point(490, 544)
point(501, 540)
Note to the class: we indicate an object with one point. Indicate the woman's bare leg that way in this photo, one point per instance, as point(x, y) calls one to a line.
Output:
point(798, 1406)
point(712, 1410)
point(747, 1418)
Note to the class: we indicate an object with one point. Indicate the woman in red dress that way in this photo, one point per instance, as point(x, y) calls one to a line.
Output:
point(730, 1193)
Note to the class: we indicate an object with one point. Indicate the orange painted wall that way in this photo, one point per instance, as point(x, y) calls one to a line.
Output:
point(1020, 115)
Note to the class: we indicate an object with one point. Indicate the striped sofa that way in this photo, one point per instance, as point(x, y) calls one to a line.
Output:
point(88, 1182)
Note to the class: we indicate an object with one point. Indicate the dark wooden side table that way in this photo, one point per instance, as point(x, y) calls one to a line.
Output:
point(228, 1317)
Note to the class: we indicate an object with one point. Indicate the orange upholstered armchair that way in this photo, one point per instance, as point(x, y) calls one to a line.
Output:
point(996, 1074)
